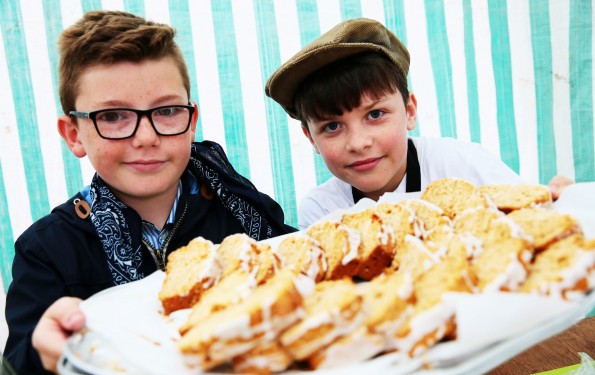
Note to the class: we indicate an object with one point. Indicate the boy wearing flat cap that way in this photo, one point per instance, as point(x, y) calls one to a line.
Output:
point(349, 90)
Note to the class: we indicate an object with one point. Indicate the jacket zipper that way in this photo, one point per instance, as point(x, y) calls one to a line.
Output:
point(159, 254)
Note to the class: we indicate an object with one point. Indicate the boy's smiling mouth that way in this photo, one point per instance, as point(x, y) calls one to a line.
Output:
point(365, 165)
point(145, 165)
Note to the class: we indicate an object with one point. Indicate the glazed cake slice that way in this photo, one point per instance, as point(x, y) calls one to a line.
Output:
point(505, 256)
point(545, 226)
point(268, 358)
point(376, 247)
point(304, 254)
point(229, 291)
point(425, 216)
point(258, 319)
point(566, 269)
point(341, 245)
point(385, 306)
point(189, 271)
point(331, 311)
point(454, 195)
point(398, 218)
point(432, 319)
point(510, 197)
point(241, 252)
point(416, 256)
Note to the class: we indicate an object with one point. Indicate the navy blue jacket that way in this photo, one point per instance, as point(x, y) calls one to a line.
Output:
point(61, 255)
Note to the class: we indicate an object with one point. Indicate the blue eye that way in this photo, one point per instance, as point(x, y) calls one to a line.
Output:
point(375, 114)
point(331, 127)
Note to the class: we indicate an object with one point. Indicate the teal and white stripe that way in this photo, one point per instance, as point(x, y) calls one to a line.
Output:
point(515, 76)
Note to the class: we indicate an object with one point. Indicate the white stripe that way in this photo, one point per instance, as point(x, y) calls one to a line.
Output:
point(455, 31)
point(523, 84)
point(45, 108)
point(302, 158)
point(373, 9)
point(257, 137)
point(112, 4)
point(486, 88)
point(559, 28)
point(420, 69)
point(207, 71)
point(71, 11)
point(13, 169)
point(157, 10)
point(329, 14)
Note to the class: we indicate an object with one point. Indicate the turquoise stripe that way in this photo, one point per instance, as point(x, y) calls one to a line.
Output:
point(136, 7)
point(441, 66)
point(502, 65)
point(307, 12)
point(91, 5)
point(53, 28)
point(350, 9)
point(179, 15)
point(471, 68)
point(270, 59)
point(24, 105)
point(230, 86)
point(542, 70)
point(581, 88)
point(6, 239)
point(394, 20)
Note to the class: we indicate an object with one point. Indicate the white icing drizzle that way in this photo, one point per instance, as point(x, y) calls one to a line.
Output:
point(358, 346)
point(473, 245)
point(514, 274)
point(424, 323)
point(274, 360)
point(316, 260)
point(385, 234)
point(245, 255)
point(405, 291)
point(353, 242)
point(304, 285)
point(582, 267)
point(469, 282)
point(516, 231)
point(211, 271)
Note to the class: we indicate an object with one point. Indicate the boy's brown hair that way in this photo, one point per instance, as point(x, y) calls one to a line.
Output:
point(108, 37)
point(339, 86)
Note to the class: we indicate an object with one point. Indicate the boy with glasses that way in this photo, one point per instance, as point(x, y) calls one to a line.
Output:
point(125, 92)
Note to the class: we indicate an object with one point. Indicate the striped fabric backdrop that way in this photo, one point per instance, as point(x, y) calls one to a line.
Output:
point(515, 76)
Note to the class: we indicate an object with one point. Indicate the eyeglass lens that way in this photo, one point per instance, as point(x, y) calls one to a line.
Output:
point(121, 123)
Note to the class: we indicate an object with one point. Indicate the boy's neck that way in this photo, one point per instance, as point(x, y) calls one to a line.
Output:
point(156, 209)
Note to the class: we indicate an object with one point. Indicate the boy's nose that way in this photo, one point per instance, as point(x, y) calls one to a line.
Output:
point(145, 131)
point(358, 138)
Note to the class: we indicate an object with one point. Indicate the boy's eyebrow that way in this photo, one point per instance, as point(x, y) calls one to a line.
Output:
point(122, 103)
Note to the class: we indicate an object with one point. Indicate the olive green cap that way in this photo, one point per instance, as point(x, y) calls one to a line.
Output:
point(345, 39)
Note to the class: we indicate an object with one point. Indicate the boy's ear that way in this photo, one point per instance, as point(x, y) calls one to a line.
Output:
point(69, 131)
point(307, 134)
point(411, 112)
point(194, 118)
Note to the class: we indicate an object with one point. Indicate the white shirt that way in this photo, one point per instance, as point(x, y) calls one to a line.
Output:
point(438, 158)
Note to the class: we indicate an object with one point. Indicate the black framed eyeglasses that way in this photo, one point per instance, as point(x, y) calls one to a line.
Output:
point(122, 123)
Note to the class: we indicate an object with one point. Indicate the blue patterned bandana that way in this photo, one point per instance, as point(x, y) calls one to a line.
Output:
point(210, 164)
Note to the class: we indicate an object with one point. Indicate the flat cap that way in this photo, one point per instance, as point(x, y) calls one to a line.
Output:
point(345, 39)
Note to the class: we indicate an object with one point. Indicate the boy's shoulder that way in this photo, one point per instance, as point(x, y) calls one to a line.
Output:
point(62, 218)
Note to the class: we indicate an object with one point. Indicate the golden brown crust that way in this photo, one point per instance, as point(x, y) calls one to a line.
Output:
point(377, 245)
